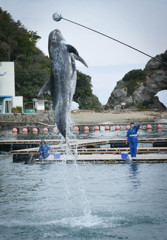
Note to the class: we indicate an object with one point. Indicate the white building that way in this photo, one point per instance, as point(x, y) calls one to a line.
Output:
point(7, 88)
point(39, 104)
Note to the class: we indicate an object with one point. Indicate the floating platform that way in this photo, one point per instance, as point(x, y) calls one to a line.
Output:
point(104, 159)
point(89, 145)
point(81, 142)
point(90, 150)
point(80, 151)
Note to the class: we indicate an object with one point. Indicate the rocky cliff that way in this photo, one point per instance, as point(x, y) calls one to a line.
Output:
point(138, 87)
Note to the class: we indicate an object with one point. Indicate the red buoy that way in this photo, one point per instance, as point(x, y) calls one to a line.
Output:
point(159, 127)
point(107, 128)
point(25, 130)
point(55, 130)
point(76, 129)
point(117, 127)
point(35, 130)
point(14, 130)
point(86, 129)
point(96, 128)
point(127, 127)
point(45, 129)
point(149, 126)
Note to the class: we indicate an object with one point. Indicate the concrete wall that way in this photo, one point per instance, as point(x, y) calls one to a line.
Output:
point(7, 121)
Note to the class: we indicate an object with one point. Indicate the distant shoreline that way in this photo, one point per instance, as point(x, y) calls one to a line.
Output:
point(7, 121)
point(90, 117)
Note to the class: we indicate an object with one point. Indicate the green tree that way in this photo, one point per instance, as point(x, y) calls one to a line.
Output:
point(83, 94)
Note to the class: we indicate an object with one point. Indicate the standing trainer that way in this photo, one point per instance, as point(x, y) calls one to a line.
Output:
point(131, 136)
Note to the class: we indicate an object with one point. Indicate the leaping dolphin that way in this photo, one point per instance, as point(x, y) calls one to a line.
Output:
point(62, 80)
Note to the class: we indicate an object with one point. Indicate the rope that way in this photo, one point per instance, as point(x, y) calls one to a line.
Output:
point(91, 29)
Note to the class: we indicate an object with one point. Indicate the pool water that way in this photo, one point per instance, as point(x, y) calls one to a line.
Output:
point(86, 201)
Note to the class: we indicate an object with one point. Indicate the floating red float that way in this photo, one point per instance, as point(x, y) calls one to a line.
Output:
point(55, 130)
point(14, 130)
point(25, 130)
point(35, 130)
point(45, 130)
point(76, 129)
point(127, 127)
point(149, 126)
point(107, 128)
point(86, 129)
point(117, 127)
point(96, 128)
point(159, 126)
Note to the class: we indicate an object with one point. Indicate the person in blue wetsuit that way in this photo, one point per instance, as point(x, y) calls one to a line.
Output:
point(131, 136)
point(43, 149)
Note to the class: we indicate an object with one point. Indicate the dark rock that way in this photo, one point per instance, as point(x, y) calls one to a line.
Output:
point(139, 87)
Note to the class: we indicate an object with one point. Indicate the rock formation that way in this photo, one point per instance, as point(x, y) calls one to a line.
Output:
point(138, 88)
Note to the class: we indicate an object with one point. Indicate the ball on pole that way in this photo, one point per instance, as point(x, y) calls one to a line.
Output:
point(56, 16)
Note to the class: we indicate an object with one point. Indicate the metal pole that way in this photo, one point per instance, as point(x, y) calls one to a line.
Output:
point(156, 59)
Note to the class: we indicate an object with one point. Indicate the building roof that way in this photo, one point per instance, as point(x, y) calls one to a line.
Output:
point(5, 96)
point(39, 100)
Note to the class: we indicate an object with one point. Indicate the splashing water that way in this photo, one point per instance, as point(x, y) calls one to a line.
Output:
point(71, 154)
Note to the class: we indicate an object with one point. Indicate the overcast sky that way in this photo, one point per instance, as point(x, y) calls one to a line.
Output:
point(139, 23)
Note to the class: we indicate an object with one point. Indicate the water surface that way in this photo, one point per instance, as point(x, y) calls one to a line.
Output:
point(125, 201)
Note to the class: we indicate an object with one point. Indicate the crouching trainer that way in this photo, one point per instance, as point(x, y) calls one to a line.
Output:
point(43, 149)
point(131, 136)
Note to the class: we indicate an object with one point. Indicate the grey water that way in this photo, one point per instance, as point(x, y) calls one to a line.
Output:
point(84, 201)
point(127, 201)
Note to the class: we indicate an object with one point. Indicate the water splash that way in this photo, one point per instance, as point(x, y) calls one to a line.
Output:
point(69, 149)
point(72, 154)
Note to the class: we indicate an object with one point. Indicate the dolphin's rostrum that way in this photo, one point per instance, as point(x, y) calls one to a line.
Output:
point(62, 80)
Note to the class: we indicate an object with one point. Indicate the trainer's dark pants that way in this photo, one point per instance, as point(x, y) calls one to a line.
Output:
point(133, 146)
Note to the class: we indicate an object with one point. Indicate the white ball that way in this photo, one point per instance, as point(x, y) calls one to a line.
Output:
point(56, 16)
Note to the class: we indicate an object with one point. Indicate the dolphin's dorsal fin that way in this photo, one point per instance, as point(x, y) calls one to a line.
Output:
point(45, 89)
point(73, 50)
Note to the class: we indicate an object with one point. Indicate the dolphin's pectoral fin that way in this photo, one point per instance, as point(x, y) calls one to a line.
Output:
point(45, 89)
point(73, 50)
point(77, 57)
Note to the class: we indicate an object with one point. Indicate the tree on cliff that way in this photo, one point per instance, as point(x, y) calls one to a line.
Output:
point(83, 94)
point(138, 88)
point(32, 67)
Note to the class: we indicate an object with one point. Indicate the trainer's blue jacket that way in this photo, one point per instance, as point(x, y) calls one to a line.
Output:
point(132, 134)
point(44, 149)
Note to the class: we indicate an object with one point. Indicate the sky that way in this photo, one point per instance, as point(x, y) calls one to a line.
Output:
point(139, 23)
